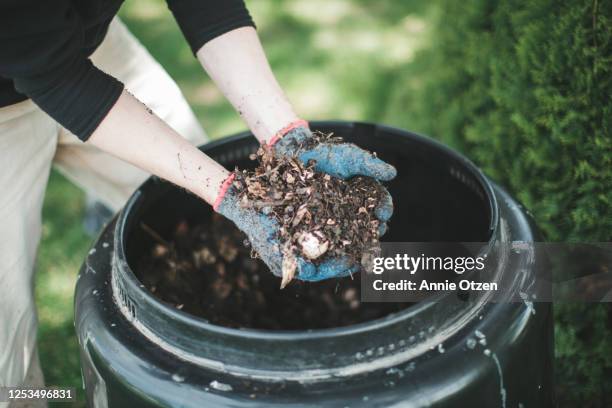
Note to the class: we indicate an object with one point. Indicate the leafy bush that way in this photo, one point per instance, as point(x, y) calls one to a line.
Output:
point(524, 89)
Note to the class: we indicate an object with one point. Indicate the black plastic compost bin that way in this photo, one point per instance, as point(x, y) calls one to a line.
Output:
point(138, 352)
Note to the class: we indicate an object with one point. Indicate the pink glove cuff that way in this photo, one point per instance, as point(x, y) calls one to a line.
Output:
point(278, 135)
point(224, 187)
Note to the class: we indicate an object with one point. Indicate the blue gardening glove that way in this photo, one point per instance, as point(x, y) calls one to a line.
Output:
point(342, 160)
point(261, 229)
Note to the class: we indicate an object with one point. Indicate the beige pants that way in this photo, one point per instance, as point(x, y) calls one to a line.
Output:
point(30, 141)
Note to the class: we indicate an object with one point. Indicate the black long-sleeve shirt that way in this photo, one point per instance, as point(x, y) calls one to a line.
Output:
point(45, 47)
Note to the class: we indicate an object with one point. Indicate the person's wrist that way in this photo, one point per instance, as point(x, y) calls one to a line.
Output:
point(223, 191)
point(286, 130)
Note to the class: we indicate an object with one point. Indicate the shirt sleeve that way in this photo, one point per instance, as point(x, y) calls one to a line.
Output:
point(42, 51)
point(202, 20)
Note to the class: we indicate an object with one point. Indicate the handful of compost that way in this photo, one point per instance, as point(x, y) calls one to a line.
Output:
point(313, 206)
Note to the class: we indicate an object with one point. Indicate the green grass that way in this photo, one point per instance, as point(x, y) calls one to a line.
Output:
point(334, 58)
point(63, 247)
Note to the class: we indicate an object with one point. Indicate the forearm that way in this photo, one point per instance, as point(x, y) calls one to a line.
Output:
point(133, 133)
point(237, 64)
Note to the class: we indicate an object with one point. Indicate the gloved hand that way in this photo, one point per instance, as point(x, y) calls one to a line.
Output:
point(342, 160)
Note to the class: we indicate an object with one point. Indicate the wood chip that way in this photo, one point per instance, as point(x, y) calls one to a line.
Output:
point(288, 268)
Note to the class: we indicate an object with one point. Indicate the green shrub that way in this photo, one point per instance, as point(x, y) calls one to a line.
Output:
point(525, 90)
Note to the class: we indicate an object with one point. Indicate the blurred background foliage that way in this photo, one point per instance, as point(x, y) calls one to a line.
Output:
point(522, 88)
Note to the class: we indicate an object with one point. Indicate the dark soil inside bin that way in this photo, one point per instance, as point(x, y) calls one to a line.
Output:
point(207, 270)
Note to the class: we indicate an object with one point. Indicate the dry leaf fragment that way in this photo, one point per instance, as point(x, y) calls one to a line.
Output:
point(244, 201)
point(320, 235)
point(289, 267)
point(227, 249)
point(204, 256)
point(159, 250)
point(299, 215)
point(304, 190)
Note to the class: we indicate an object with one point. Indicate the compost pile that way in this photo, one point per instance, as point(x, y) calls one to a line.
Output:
point(319, 216)
point(204, 268)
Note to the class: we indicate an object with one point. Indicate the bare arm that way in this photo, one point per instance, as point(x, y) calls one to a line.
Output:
point(237, 64)
point(132, 132)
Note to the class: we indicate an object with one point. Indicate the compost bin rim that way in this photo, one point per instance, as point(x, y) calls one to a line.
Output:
point(128, 276)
